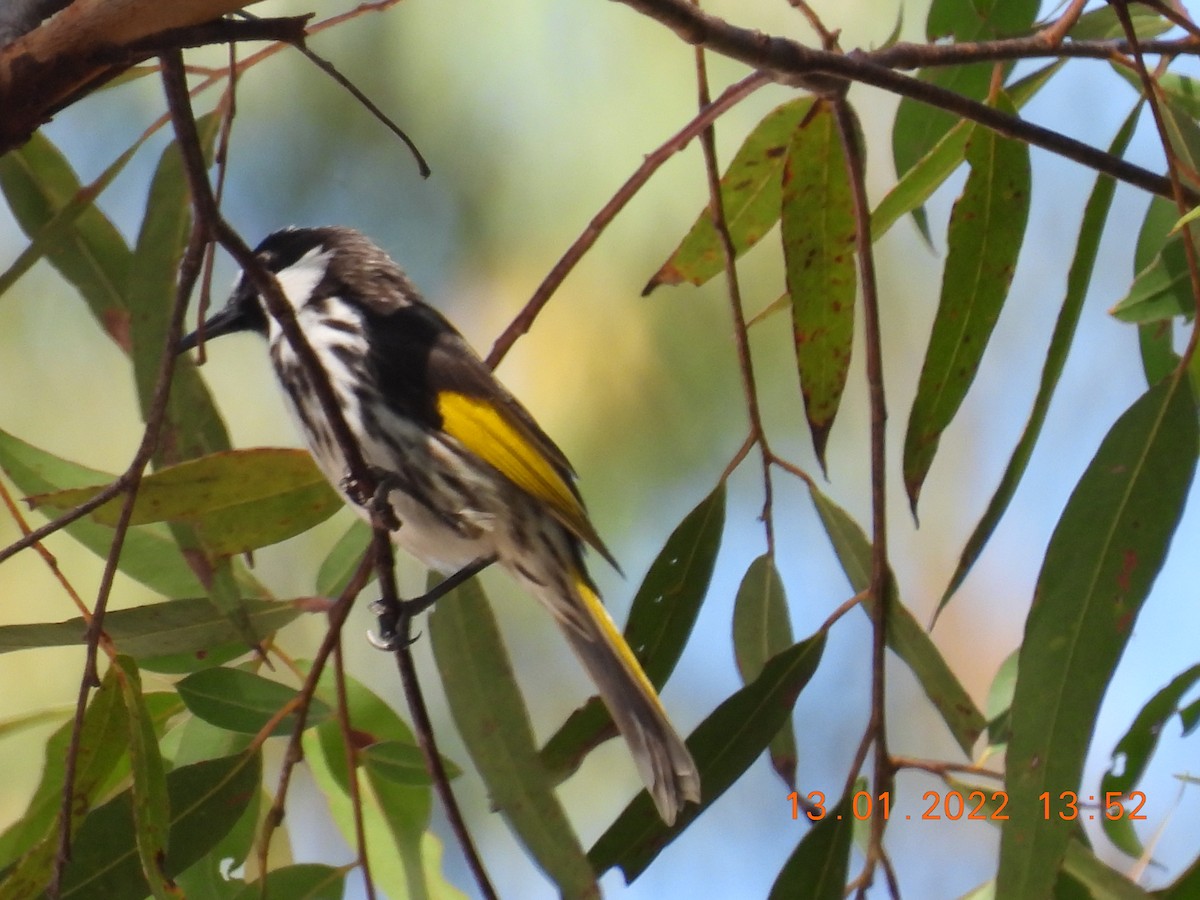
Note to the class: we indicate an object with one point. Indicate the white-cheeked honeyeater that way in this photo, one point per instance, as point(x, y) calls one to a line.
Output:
point(470, 475)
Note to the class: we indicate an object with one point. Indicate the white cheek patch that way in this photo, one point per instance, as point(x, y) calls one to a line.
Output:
point(299, 280)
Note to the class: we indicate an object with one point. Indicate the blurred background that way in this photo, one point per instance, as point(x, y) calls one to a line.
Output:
point(531, 114)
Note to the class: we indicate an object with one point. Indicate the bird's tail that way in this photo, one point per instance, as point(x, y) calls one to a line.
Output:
point(662, 758)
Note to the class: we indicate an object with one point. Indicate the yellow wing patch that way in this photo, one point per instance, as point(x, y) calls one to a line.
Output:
point(495, 438)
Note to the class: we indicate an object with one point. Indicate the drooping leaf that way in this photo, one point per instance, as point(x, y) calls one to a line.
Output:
point(302, 881)
point(32, 842)
point(1097, 878)
point(491, 716)
point(920, 126)
point(237, 501)
point(750, 195)
point(206, 800)
point(905, 636)
point(1132, 754)
point(986, 230)
point(1162, 290)
point(150, 633)
point(724, 745)
point(39, 184)
point(917, 184)
point(149, 554)
point(1087, 247)
point(660, 621)
point(405, 856)
point(818, 230)
point(762, 629)
point(818, 866)
point(151, 812)
point(1102, 24)
point(59, 229)
point(244, 702)
point(343, 558)
point(192, 426)
point(1101, 562)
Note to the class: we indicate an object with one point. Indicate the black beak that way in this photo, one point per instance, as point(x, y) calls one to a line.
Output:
point(230, 319)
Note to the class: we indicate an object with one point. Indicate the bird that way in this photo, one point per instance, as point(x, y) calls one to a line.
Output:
point(469, 475)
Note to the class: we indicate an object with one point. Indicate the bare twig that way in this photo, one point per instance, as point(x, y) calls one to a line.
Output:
point(792, 63)
point(294, 753)
point(523, 321)
point(1179, 195)
point(422, 724)
point(351, 747)
point(716, 206)
point(880, 569)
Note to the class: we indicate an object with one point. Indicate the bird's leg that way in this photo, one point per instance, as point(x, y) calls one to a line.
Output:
point(395, 619)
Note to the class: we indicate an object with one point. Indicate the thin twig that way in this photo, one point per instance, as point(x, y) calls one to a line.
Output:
point(189, 270)
point(741, 336)
point(422, 724)
point(944, 769)
point(830, 73)
point(880, 570)
point(1182, 204)
point(351, 747)
point(329, 69)
point(294, 753)
point(524, 319)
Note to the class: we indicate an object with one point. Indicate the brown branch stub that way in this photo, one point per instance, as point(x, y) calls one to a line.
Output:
point(92, 41)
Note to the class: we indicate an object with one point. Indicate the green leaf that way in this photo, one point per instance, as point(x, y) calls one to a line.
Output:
point(149, 633)
point(818, 231)
point(1099, 879)
point(398, 762)
point(1162, 290)
point(925, 175)
point(920, 126)
point(59, 229)
point(1083, 263)
point(490, 715)
point(151, 813)
point(34, 837)
point(1101, 562)
point(1103, 25)
point(1132, 753)
point(192, 426)
point(986, 229)
point(244, 702)
point(751, 190)
point(761, 629)
point(237, 501)
point(660, 621)
point(405, 858)
point(303, 881)
point(818, 866)
point(149, 555)
point(206, 800)
point(40, 185)
point(724, 745)
point(343, 559)
point(905, 636)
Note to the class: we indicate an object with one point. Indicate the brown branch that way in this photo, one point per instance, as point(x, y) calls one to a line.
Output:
point(294, 753)
point(829, 73)
point(422, 724)
point(1150, 89)
point(741, 336)
point(351, 747)
point(189, 270)
point(92, 41)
